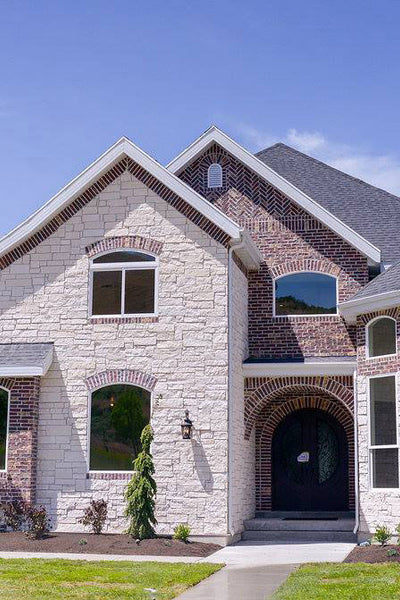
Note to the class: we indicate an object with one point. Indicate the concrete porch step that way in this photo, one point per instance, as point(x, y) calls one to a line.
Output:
point(299, 537)
point(298, 525)
point(279, 514)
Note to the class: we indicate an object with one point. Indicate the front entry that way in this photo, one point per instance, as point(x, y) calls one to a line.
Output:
point(310, 463)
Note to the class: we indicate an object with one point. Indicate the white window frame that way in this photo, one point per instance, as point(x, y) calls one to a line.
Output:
point(371, 446)
point(335, 314)
point(221, 175)
point(367, 354)
point(7, 430)
point(89, 429)
point(123, 267)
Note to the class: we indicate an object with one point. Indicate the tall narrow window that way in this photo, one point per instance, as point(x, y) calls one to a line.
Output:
point(3, 428)
point(384, 449)
point(305, 294)
point(215, 176)
point(118, 415)
point(381, 337)
point(124, 283)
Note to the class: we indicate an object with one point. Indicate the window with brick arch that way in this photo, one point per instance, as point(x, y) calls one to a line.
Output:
point(381, 337)
point(305, 293)
point(123, 283)
point(118, 414)
point(4, 416)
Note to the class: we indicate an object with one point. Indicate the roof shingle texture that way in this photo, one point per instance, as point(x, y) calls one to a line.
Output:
point(370, 211)
point(388, 281)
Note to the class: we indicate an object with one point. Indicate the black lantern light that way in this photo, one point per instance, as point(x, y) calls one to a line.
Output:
point(186, 427)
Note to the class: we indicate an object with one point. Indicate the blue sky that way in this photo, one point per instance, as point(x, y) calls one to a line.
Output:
point(75, 76)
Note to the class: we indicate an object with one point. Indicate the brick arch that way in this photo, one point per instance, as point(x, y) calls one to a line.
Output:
point(310, 264)
point(274, 387)
point(116, 376)
point(136, 242)
point(7, 383)
point(266, 433)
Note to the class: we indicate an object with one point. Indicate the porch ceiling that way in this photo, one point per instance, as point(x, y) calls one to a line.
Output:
point(25, 360)
point(313, 365)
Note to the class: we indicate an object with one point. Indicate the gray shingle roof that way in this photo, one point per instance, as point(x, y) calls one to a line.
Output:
point(24, 359)
point(370, 211)
point(388, 281)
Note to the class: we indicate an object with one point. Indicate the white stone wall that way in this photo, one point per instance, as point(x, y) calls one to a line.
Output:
point(44, 297)
point(376, 506)
point(242, 476)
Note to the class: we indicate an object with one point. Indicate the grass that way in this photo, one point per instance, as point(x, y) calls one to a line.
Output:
point(41, 579)
point(336, 581)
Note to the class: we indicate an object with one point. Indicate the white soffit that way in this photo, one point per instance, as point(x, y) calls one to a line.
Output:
point(215, 135)
point(123, 147)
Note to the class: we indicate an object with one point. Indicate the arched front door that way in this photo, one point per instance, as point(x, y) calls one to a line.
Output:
point(309, 463)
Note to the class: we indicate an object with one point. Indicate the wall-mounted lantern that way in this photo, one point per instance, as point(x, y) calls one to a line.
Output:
point(186, 427)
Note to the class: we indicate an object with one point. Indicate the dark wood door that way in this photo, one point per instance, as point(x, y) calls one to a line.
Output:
point(309, 463)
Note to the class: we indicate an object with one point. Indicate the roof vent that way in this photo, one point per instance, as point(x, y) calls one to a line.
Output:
point(215, 176)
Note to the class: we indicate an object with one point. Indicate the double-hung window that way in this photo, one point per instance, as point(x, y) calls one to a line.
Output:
point(383, 433)
point(123, 283)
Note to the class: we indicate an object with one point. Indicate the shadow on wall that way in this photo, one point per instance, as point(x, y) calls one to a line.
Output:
point(202, 467)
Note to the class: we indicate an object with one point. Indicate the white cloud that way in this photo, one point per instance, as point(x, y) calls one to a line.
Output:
point(381, 170)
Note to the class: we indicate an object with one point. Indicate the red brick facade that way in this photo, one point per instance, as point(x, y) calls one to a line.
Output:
point(19, 482)
point(377, 365)
point(290, 240)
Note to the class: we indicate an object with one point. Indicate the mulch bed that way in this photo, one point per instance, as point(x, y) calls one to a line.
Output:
point(373, 554)
point(105, 543)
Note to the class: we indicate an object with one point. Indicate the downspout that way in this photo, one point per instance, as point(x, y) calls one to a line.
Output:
point(232, 248)
point(356, 490)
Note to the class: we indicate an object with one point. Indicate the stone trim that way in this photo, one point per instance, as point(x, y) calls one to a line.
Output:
point(122, 320)
point(310, 264)
point(265, 433)
point(263, 389)
point(115, 376)
point(91, 192)
point(136, 242)
point(109, 476)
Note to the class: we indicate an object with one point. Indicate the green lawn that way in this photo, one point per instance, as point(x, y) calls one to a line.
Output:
point(340, 581)
point(37, 579)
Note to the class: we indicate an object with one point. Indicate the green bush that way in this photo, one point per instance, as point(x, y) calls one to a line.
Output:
point(182, 532)
point(382, 534)
point(141, 491)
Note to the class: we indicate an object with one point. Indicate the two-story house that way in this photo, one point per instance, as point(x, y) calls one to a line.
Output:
point(259, 293)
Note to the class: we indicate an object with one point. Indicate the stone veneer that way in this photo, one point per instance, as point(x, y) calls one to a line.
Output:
point(376, 506)
point(44, 297)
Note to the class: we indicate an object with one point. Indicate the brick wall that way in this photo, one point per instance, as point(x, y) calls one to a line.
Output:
point(19, 482)
point(286, 235)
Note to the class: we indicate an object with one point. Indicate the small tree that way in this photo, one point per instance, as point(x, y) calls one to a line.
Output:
point(141, 491)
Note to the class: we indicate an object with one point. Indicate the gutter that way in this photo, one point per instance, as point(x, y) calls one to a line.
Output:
point(233, 247)
point(356, 482)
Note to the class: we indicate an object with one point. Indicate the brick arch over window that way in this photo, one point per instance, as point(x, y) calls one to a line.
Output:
point(136, 242)
point(312, 264)
point(266, 432)
point(116, 376)
point(274, 387)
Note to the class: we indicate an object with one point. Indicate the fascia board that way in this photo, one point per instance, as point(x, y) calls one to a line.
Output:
point(292, 369)
point(300, 198)
point(350, 309)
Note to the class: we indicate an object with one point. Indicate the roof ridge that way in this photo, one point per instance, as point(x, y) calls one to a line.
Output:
point(320, 162)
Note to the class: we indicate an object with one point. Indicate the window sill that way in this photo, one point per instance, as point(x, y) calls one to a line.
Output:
point(123, 320)
point(110, 475)
point(381, 356)
point(303, 317)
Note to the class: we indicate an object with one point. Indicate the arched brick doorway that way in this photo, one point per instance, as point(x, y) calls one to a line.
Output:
point(269, 419)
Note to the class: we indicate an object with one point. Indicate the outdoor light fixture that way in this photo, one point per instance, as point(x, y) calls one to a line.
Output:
point(186, 427)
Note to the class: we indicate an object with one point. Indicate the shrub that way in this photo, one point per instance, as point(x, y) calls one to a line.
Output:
point(95, 516)
point(14, 514)
point(398, 533)
point(37, 522)
point(382, 534)
point(141, 491)
point(391, 552)
point(182, 532)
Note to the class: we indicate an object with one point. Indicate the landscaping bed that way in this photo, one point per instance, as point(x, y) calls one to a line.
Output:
point(374, 554)
point(103, 544)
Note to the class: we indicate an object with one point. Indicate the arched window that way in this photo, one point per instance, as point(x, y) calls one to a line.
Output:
point(214, 176)
point(381, 337)
point(123, 283)
point(117, 417)
point(4, 412)
point(306, 293)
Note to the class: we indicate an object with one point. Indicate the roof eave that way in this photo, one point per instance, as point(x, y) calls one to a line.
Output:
point(352, 308)
point(215, 135)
